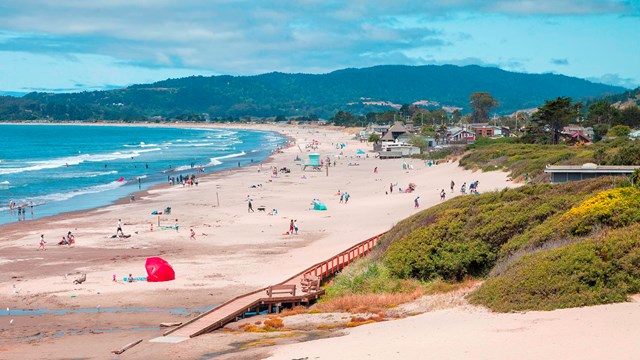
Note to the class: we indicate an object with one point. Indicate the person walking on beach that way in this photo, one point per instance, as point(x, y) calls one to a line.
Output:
point(295, 226)
point(42, 243)
point(375, 170)
point(391, 188)
point(346, 197)
point(342, 198)
point(119, 231)
point(463, 189)
point(249, 203)
point(292, 226)
point(452, 185)
point(416, 203)
point(443, 195)
point(193, 235)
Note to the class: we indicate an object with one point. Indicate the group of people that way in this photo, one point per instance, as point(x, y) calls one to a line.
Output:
point(185, 180)
point(68, 240)
point(473, 188)
point(344, 197)
point(293, 227)
point(21, 209)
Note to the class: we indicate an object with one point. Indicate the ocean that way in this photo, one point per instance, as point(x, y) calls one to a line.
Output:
point(62, 168)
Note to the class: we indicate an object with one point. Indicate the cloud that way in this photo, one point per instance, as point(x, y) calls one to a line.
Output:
point(225, 36)
point(617, 80)
point(560, 61)
point(251, 36)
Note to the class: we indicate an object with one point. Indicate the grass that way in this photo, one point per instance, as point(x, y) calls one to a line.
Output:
point(368, 303)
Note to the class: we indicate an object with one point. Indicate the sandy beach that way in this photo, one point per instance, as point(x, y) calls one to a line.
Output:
point(236, 251)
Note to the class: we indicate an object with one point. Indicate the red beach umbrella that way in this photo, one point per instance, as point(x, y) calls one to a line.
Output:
point(158, 269)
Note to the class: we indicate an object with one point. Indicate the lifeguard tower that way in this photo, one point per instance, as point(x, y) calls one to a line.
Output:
point(314, 162)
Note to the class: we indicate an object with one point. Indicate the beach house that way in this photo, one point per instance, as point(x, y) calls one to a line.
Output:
point(565, 173)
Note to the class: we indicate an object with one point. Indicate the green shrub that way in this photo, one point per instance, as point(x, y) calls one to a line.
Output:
point(467, 235)
point(595, 271)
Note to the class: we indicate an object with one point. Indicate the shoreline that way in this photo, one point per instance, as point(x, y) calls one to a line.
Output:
point(140, 193)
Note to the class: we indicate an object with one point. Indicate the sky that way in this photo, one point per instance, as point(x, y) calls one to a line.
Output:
point(75, 45)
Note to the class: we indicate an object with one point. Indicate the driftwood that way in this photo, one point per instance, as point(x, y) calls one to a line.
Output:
point(170, 324)
point(127, 347)
point(81, 279)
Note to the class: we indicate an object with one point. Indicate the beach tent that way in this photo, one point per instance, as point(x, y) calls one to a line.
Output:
point(360, 152)
point(319, 205)
point(158, 270)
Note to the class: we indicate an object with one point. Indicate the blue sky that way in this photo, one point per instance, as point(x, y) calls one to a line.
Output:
point(71, 45)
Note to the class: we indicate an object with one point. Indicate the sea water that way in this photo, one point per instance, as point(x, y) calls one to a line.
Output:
point(62, 168)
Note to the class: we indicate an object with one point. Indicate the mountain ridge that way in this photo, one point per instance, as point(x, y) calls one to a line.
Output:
point(278, 93)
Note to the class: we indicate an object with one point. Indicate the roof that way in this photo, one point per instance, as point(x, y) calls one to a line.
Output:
point(398, 128)
point(388, 136)
point(590, 168)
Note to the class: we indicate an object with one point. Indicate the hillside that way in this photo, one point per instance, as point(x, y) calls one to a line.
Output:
point(540, 247)
point(305, 94)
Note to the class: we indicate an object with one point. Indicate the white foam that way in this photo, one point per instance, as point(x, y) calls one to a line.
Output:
point(74, 160)
point(185, 167)
point(39, 200)
point(85, 174)
point(230, 156)
point(142, 144)
point(214, 162)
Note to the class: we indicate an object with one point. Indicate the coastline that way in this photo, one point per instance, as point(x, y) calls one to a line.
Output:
point(234, 252)
point(140, 193)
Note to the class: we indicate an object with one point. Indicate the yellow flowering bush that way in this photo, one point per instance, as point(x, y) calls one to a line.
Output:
point(616, 208)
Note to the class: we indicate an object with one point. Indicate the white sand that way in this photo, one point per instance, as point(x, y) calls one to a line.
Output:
point(598, 332)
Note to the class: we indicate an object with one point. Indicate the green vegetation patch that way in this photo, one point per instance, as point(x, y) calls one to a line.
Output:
point(466, 235)
point(542, 246)
point(519, 158)
point(600, 270)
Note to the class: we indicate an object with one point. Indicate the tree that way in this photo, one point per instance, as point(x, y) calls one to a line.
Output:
point(374, 138)
point(345, 118)
point(619, 130)
point(420, 142)
point(456, 115)
point(554, 115)
point(602, 112)
point(629, 116)
point(439, 116)
point(482, 103)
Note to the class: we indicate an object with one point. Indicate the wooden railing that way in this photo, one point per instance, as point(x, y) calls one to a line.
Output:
point(329, 267)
